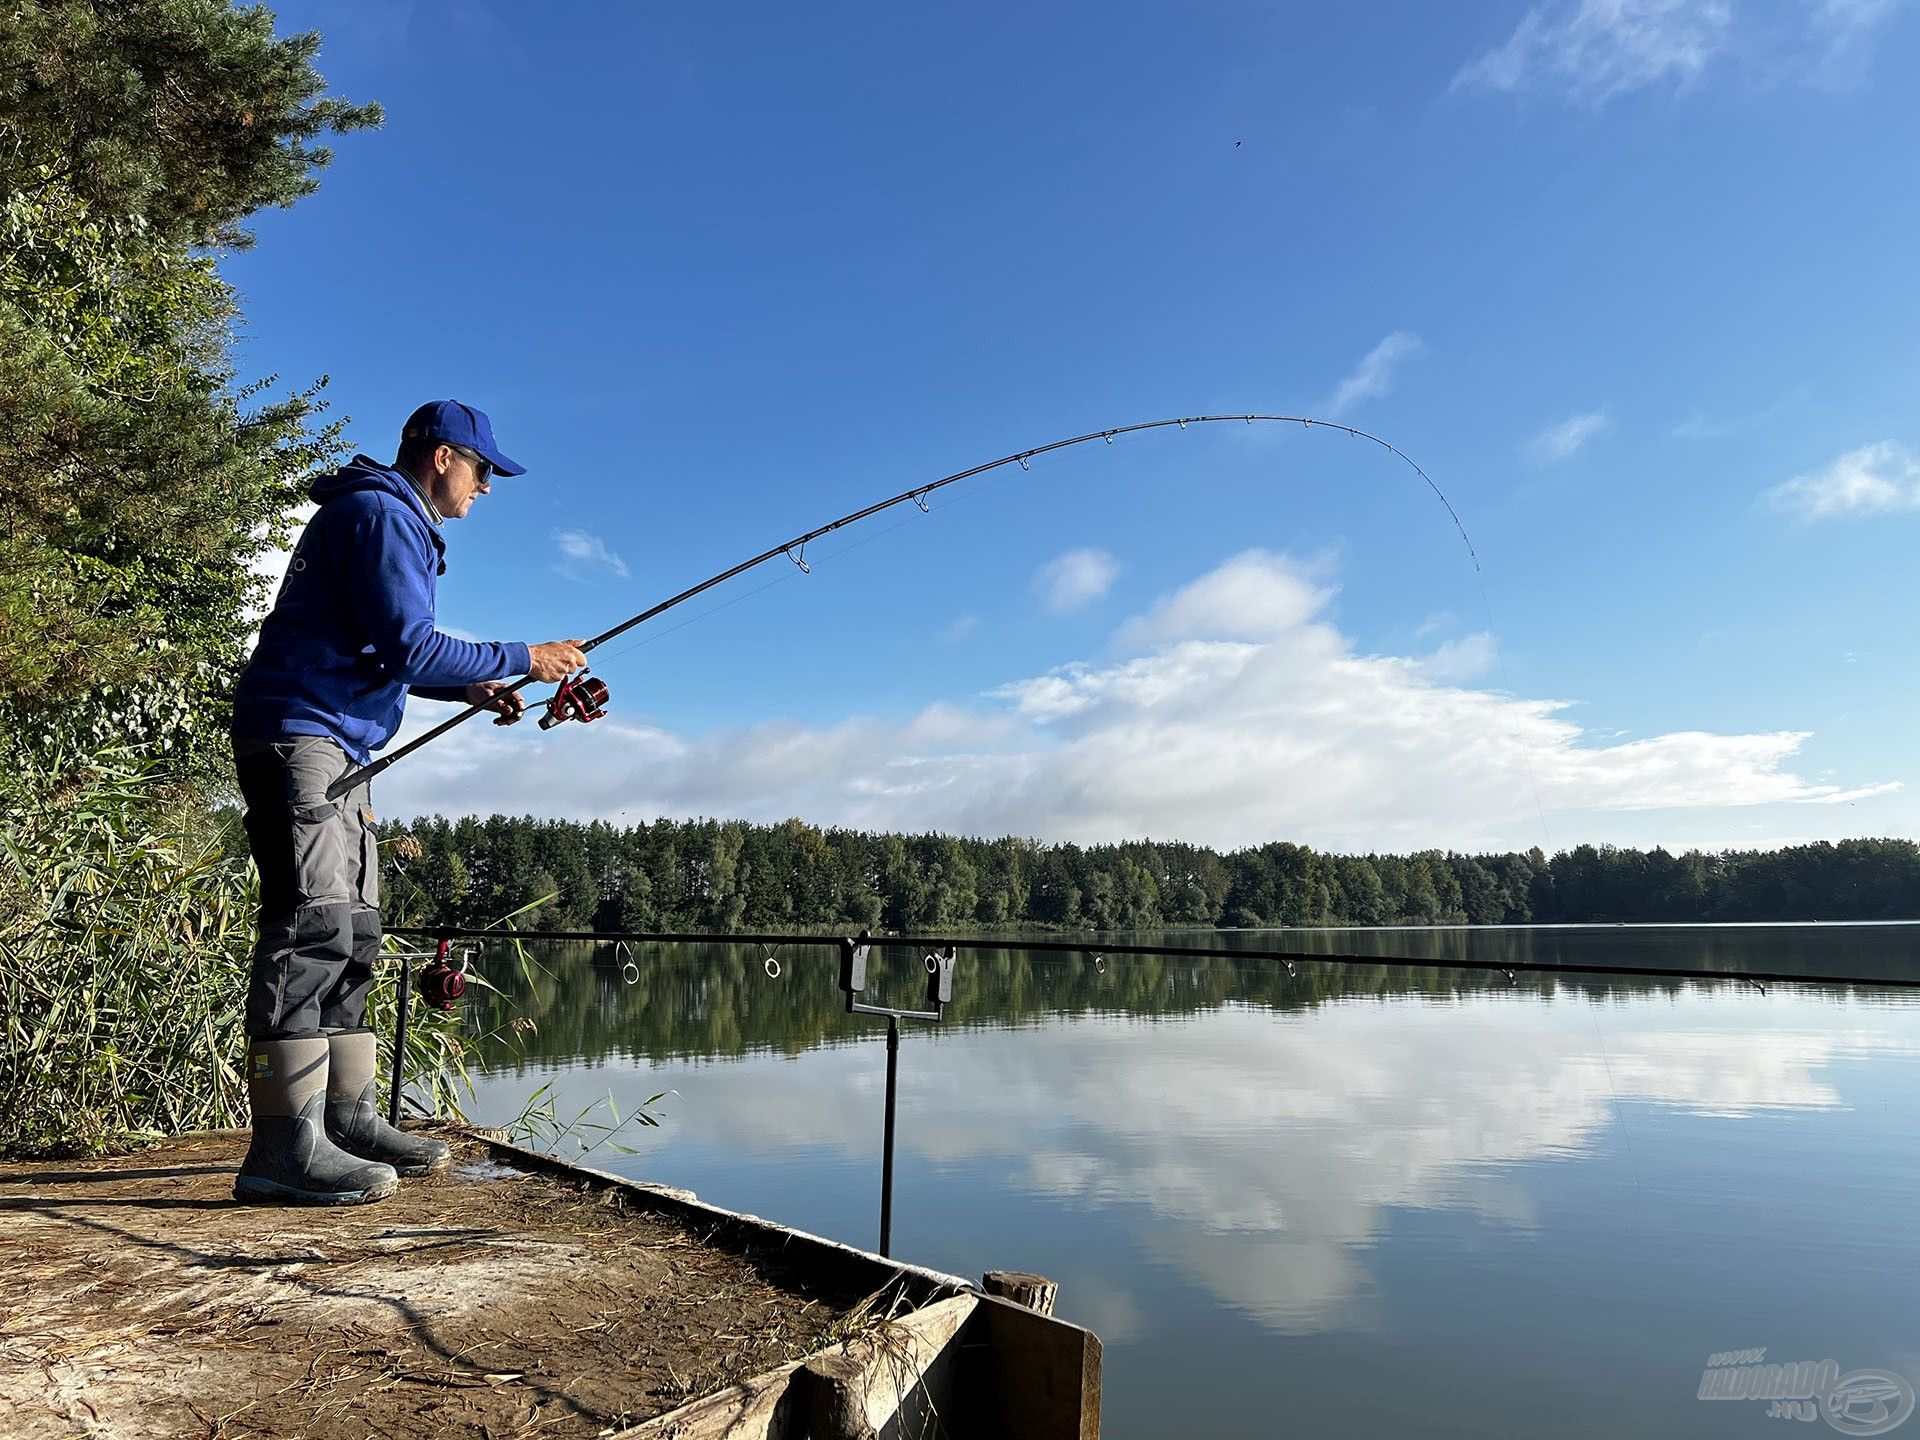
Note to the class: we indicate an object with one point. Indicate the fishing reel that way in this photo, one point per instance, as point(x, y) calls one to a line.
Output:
point(581, 697)
point(442, 984)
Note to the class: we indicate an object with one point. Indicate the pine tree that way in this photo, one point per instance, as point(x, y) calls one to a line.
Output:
point(137, 475)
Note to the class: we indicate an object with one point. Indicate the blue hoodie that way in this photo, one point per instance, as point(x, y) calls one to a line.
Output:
point(352, 631)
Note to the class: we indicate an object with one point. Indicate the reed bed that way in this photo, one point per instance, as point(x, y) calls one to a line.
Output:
point(126, 921)
point(125, 925)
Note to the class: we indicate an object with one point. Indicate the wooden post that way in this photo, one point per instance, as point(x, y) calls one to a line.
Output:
point(833, 1397)
point(1036, 1292)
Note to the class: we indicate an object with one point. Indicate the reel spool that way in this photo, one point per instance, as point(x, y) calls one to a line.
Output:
point(581, 697)
point(441, 984)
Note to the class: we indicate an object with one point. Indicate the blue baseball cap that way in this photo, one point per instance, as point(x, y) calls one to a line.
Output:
point(456, 424)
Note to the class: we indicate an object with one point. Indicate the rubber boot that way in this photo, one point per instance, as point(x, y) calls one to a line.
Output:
point(354, 1122)
point(291, 1161)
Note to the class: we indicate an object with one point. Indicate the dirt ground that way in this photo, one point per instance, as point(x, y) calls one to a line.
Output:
point(138, 1300)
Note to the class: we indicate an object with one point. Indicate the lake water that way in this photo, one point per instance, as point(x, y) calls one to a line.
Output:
point(1370, 1201)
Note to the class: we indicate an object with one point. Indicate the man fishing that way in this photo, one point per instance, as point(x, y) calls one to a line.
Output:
point(351, 635)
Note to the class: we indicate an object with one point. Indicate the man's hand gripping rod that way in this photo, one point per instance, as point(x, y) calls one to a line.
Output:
point(580, 697)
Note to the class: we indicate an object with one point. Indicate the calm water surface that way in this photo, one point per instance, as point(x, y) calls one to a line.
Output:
point(1362, 1202)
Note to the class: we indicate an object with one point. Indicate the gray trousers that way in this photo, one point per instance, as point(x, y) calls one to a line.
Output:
point(319, 889)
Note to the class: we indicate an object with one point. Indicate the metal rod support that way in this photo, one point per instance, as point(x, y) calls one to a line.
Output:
point(886, 1145)
point(403, 1003)
point(861, 1008)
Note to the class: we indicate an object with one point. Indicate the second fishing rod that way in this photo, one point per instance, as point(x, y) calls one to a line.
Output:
point(584, 697)
point(1098, 950)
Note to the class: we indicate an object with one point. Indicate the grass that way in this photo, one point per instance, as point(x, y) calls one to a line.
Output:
point(126, 926)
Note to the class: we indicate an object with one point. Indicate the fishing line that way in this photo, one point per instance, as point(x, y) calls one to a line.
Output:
point(794, 550)
point(1619, 1108)
point(1519, 740)
point(785, 579)
point(698, 616)
point(947, 502)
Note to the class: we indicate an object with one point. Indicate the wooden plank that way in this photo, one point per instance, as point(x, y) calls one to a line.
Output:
point(1038, 1378)
point(746, 1411)
point(897, 1381)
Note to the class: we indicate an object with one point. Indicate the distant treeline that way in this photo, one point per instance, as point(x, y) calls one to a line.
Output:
point(711, 875)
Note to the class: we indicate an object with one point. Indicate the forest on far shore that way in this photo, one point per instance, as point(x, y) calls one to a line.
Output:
point(727, 875)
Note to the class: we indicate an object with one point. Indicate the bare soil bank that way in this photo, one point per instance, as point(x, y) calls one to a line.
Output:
point(138, 1300)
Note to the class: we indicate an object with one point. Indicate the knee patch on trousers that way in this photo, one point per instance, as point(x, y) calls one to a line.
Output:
point(301, 961)
point(345, 1008)
point(367, 933)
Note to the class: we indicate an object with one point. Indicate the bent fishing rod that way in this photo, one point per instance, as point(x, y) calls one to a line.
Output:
point(935, 944)
point(585, 698)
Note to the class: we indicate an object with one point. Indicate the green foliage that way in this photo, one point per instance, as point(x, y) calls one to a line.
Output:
point(191, 113)
point(540, 1125)
point(124, 934)
point(126, 926)
point(137, 477)
point(720, 876)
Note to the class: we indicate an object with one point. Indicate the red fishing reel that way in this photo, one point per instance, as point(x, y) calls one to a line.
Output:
point(442, 984)
point(581, 697)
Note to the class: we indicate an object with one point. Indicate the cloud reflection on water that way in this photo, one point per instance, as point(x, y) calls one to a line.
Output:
point(1262, 1154)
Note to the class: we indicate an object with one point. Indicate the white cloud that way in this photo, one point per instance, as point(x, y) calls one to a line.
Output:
point(578, 548)
point(1876, 479)
point(1076, 578)
point(1464, 659)
point(1594, 50)
point(1848, 797)
point(1598, 49)
point(1235, 713)
point(1703, 426)
point(1256, 595)
point(960, 629)
point(1842, 31)
point(1563, 440)
point(1706, 427)
point(1373, 376)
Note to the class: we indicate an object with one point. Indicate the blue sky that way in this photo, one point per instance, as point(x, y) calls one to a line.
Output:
point(1632, 279)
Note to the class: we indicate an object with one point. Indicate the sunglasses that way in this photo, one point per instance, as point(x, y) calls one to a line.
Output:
point(483, 467)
